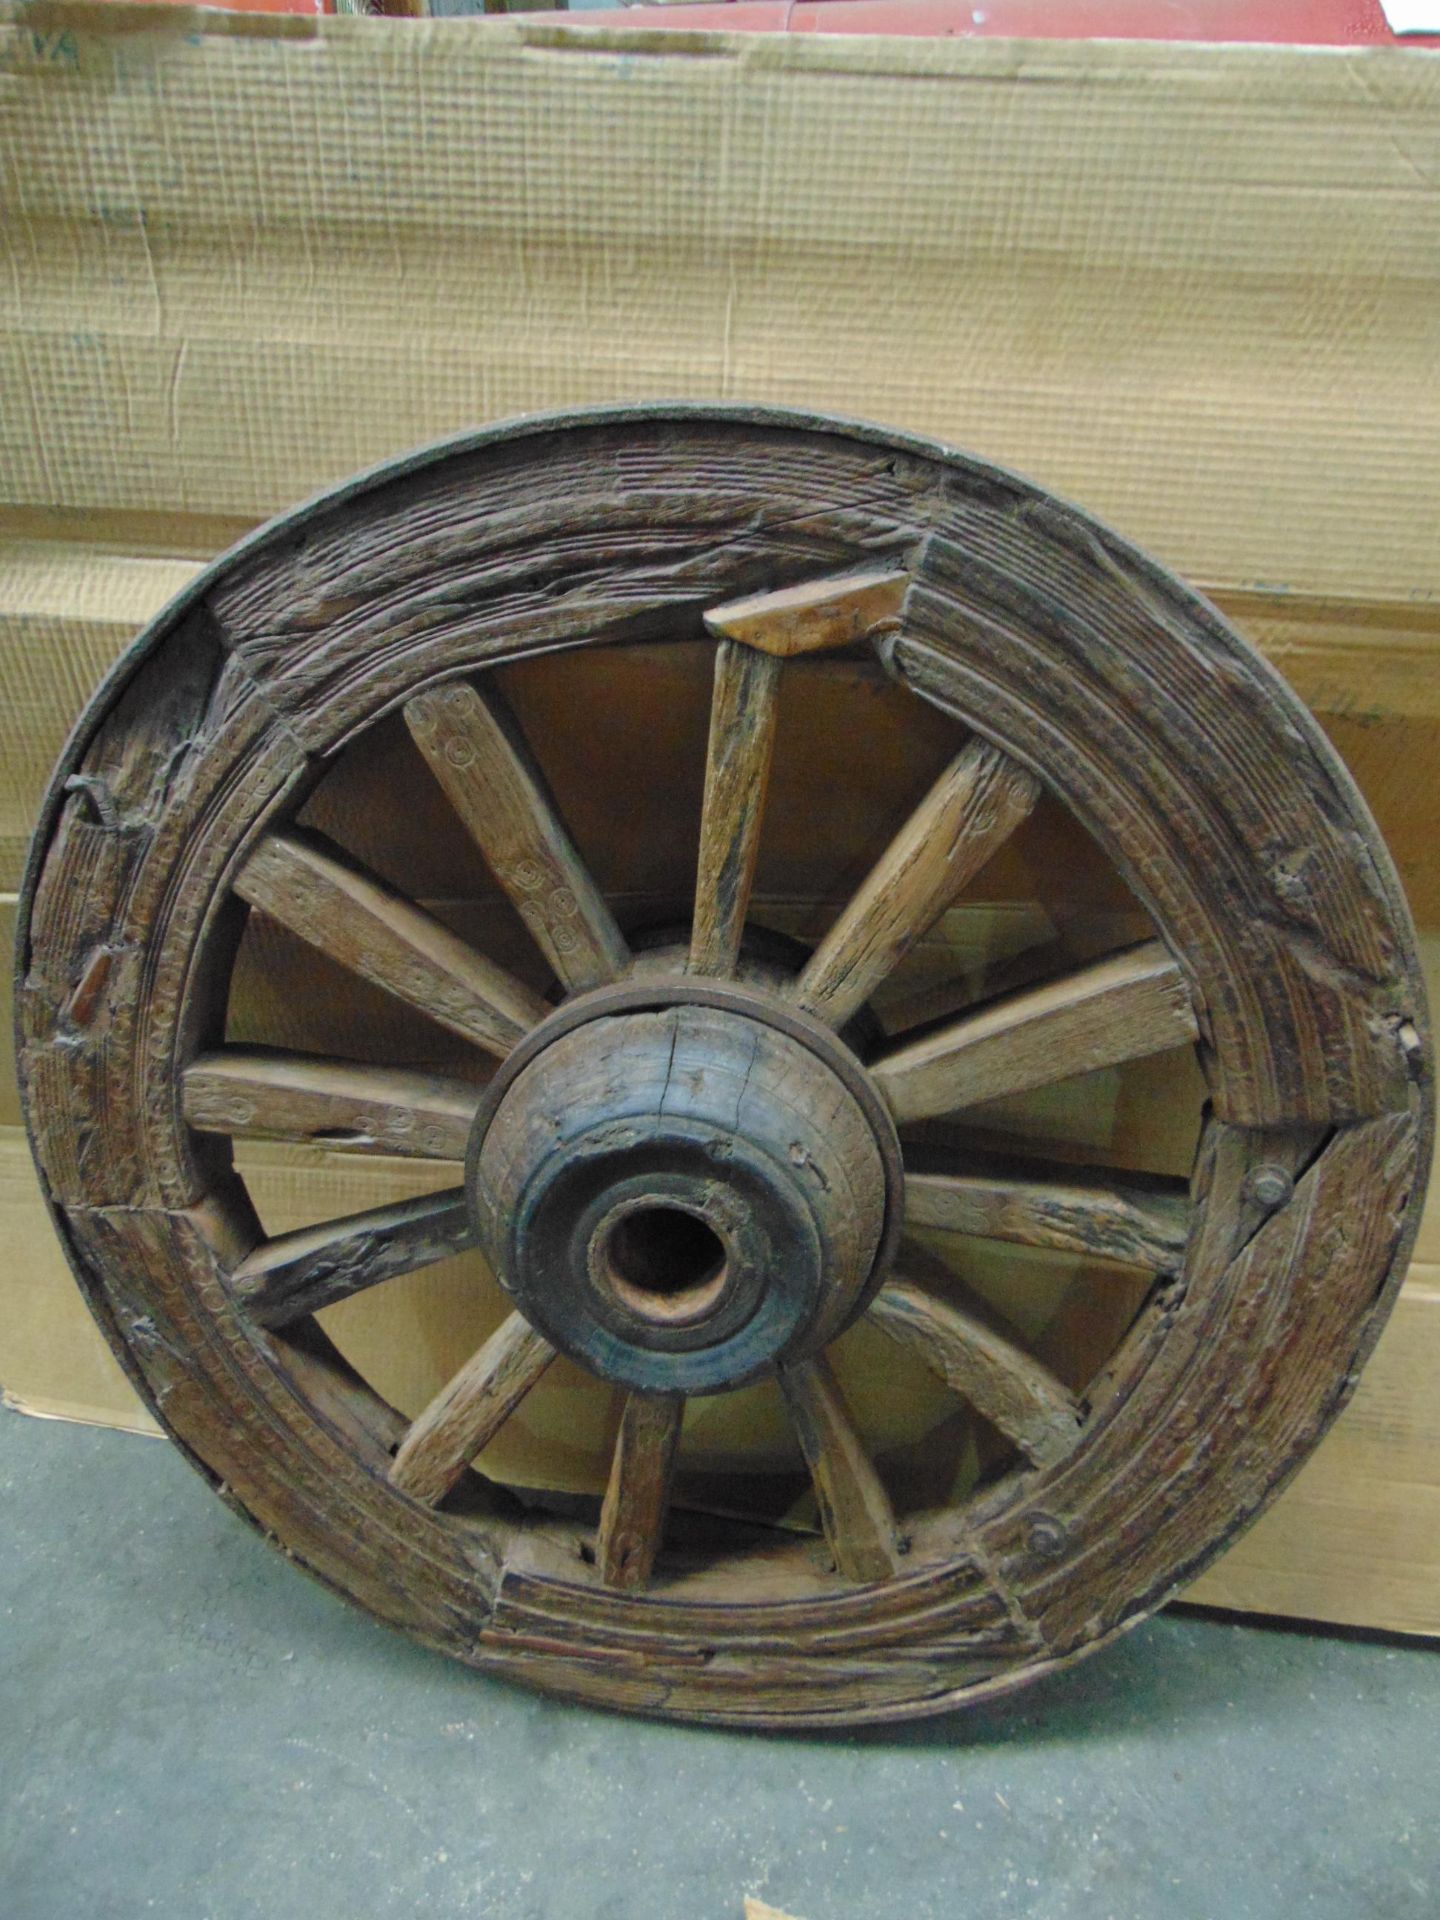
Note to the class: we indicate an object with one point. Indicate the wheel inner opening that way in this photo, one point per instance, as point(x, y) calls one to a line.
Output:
point(665, 1262)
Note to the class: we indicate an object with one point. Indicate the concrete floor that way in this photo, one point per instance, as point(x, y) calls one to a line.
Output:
point(191, 1729)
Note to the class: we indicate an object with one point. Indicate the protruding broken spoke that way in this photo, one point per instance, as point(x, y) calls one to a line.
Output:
point(813, 617)
point(461, 1421)
point(973, 808)
point(632, 1517)
point(301, 1272)
point(737, 773)
point(1139, 1220)
point(855, 1509)
point(475, 749)
point(1121, 1008)
point(297, 1096)
point(1012, 1391)
point(301, 881)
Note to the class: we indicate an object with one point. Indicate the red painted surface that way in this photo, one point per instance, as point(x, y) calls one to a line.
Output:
point(1306, 23)
point(259, 6)
point(1312, 23)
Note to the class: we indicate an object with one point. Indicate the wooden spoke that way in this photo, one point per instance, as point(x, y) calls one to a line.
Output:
point(737, 773)
point(813, 617)
point(466, 1416)
point(633, 1514)
point(855, 1509)
point(1138, 1220)
point(332, 1102)
point(1013, 1391)
point(301, 1272)
point(475, 749)
point(1131, 1004)
point(301, 881)
point(973, 808)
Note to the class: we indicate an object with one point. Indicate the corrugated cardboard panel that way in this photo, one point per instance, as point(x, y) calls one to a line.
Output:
point(9, 1091)
point(1197, 288)
point(66, 613)
point(53, 1359)
point(1356, 1536)
point(1394, 763)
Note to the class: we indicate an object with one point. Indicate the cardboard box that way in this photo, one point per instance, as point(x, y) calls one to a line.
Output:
point(1197, 289)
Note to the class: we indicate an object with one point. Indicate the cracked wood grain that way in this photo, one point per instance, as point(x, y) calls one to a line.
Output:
point(855, 1509)
point(249, 1090)
point(1135, 1220)
point(1122, 1008)
point(970, 812)
point(632, 1515)
point(314, 1267)
point(473, 745)
point(460, 1421)
point(304, 883)
point(737, 775)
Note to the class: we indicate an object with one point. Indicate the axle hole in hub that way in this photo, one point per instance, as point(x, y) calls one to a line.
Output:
point(664, 1263)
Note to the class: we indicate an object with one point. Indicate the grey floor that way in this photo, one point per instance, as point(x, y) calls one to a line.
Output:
point(190, 1728)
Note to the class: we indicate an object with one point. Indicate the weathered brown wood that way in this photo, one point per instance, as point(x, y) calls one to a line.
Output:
point(1346, 1206)
point(1122, 1008)
point(460, 1421)
point(1013, 1391)
point(294, 1475)
point(1213, 798)
point(789, 1136)
point(333, 1102)
point(313, 1267)
point(476, 750)
point(795, 1616)
point(1139, 1221)
point(812, 617)
point(855, 1509)
point(633, 1513)
point(299, 880)
point(973, 808)
point(743, 709)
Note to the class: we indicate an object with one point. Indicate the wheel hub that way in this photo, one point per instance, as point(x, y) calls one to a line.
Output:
point(679, 1195)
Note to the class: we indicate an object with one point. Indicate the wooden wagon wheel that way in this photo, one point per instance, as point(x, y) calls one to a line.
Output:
point(692, 1163)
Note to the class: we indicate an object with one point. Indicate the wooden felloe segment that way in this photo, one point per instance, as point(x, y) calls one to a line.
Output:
point(476, 751)
point(1041, 1204)
point(1014, 1392)
point(301, 1272)
point(633, 1514)
point(383, 937)
point(284, 1477)
point(459, 1422)
point(855, 1509)
point(737, 774)
point(1122, 1008)
point(970, 812)
point(813, 617)
point(333, 1102)
point(1346, 1207)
